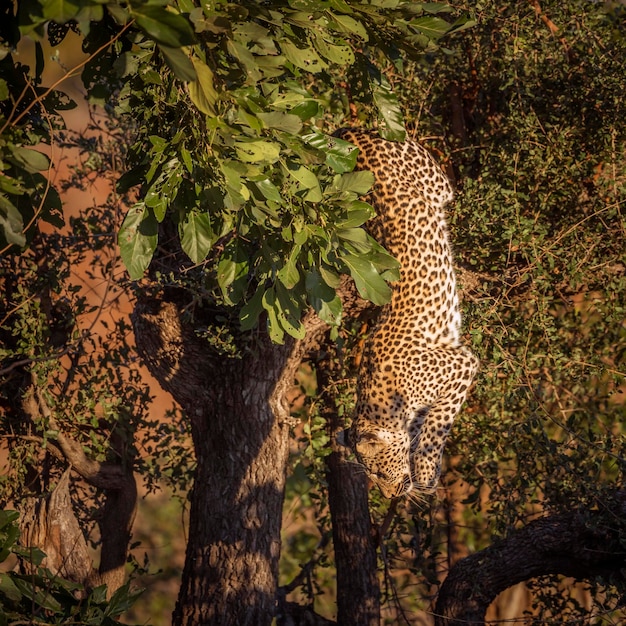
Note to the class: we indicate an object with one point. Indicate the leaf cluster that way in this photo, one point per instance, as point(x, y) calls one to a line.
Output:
point(47, 598)
point(228, 101)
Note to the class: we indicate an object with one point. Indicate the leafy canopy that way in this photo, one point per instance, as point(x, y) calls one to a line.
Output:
point(230, 102)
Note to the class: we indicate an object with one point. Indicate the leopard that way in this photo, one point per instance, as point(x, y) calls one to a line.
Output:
point(415, 371)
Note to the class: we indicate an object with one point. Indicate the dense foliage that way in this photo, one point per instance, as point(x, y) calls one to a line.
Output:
point(528, 116)
point(232, 107)
point(45, 597)
point(229, 102)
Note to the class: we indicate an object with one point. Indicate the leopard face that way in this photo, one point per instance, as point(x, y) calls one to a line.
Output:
point(415, 372)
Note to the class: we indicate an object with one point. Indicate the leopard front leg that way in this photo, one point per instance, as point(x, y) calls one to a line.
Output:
point(429, 428)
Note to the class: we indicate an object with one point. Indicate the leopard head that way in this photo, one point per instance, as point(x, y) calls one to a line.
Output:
point(385, 456)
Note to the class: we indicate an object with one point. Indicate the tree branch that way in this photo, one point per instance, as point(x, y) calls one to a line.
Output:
point(118, 515)
point(100, 475)
point(580, 544)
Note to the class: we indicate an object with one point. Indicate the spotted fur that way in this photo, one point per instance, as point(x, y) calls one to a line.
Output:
point(415, 372)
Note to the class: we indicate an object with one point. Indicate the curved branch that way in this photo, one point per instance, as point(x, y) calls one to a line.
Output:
point(100, 475)
point(580, 544)
point(120, 489)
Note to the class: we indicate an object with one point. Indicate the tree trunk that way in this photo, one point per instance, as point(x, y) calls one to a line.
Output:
point(354, 540)
point(240, 429)
point(581, 544)
point(50, 523)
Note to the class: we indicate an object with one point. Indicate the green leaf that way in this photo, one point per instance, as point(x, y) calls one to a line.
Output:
point(368, 281)
point(339, 54)
point(122, 600)
point(323, 298)
point(348, 24)
point(196, 235)
point(232, 272)
point(462, 23)
point(358, 213)
point(61, 11)
point(11, 185)
point(288, 313)
point(39, 597)
point(432, 27)
point(8, 588)
point(389, 108)
point(308, 5)
point(306, 179)
point(137, 239)
point(330, 277)
point(341, 155)
point(357, 182)
point(30, 554)
point(304, 58)
point(355, 235)
point(163, 26)
point(202, 91)
point(257, 150)
point(31, 160)
point(7, 517)
point(179, 63)
point(250, 311)
point(306, 110)
point(288, 274)
point(11, 222)
point(274, 327)
point(269, 190)
point(279, 120)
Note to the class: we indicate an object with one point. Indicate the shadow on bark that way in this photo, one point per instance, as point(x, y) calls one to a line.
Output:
point(240, 422)
point(240, 428)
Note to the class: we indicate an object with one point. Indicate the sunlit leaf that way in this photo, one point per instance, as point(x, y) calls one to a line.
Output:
point(257, 150)
point(274, 327)
point(288, 274)
point(288, 312)
point(196, 235)
point(339, 54)
point(340, 155)
point(202, 90)
point(281, 121)
point(269, 190)
point(358, 182)
point(368, 281)
point(389, 107)
point(432, 27)
point(304, 58)
point(306, 179)
point(137, 239)
point(31, 160)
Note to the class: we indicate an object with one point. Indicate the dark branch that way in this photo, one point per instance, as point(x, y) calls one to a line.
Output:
point(581, 544)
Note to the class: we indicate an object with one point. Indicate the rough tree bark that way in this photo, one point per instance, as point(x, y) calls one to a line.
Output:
point(580, 544)
point(354, 536)
point(240, 428)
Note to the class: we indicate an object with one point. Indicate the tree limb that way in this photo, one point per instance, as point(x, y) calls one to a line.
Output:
point(117, 517)
point(580, 544)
